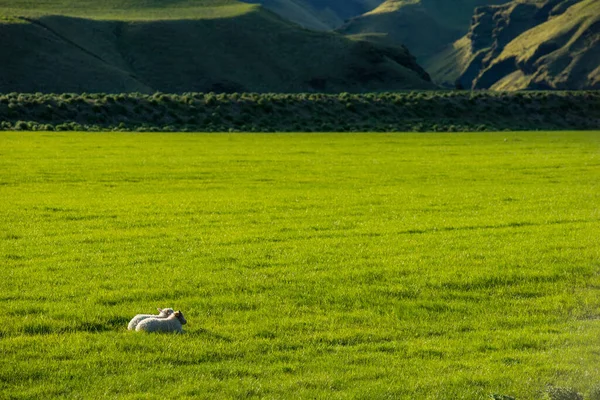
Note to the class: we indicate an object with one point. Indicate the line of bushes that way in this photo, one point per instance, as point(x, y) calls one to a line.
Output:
point(310, 112)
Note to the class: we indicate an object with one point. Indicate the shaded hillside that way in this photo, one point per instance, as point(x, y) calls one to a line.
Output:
point(527, 44)
point(425, 27)
point(319, 14)
point(251, 112)
point(299, 13)
point(179, 46)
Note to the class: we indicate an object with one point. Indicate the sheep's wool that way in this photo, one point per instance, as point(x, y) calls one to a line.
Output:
point(173, 323)
point(164, 313)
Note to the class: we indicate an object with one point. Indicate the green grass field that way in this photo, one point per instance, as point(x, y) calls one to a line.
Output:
point(421, 266)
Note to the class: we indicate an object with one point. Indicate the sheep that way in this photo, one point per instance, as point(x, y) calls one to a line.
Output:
point(164, 313)
point(173, 323)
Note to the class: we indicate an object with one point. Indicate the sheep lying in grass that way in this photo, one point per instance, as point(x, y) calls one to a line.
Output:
point(163, 313)
point(173, 323)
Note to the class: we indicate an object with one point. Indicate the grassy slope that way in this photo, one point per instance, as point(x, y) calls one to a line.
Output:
point(454, 14)
point(449, 64)
point(424, 26)
point(561, 53)
point(192, 46)
point(319, 14)
point(126, 10)
point(309, 266)
point(297, 12)
point(337, 11)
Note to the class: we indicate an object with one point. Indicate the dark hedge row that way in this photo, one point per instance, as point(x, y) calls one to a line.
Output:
point(250, 112)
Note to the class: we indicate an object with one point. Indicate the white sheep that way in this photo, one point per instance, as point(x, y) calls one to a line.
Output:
point(173, 323)
point(163, 313)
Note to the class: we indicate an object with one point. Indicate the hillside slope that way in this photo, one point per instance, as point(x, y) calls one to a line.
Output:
point(319, 14)
point(527, 44)
point(424, 26)
point(184, 45)
point(125, 10)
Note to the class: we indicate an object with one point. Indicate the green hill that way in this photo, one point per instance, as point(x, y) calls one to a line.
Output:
point(298, 12)
point(185, 45)
point(125, 10)
point(527, 44)
point(319, 14)
point(424, 26)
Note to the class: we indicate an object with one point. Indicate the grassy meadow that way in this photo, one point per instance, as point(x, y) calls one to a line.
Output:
point(418, 266)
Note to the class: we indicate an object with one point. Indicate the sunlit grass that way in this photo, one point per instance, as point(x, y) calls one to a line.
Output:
point(307, 265)
point(128, 10)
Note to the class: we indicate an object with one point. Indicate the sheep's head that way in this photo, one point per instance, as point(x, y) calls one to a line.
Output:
point(165, 312)
point(180, 317)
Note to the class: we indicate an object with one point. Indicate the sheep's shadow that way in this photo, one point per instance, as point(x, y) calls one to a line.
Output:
point(201, 332)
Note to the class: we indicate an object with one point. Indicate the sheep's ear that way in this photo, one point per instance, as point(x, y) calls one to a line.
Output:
point(159, 309)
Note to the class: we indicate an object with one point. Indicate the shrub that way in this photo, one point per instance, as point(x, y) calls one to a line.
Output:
point(22, 126)
point(419, 111)
point(210, 100)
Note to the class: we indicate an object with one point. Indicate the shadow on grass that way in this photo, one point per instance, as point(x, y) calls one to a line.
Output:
point(205, 333)
point(43, 328)
point(500, 226)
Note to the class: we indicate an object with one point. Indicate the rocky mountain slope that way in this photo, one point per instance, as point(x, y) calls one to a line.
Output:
point(526, 44)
